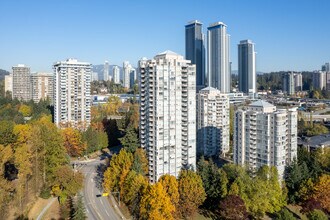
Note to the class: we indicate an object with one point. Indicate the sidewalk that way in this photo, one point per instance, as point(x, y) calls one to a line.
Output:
point(44, 210)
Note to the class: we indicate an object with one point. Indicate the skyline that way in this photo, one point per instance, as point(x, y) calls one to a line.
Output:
point(288, 35)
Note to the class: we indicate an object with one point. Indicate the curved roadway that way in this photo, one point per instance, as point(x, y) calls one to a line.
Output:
point(97, 207)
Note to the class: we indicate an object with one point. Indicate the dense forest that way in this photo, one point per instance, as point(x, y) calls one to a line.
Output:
point(274, 81)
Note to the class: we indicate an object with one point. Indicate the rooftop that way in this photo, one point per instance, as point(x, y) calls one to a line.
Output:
point(219, 23)
point(261, 103)
point(315, 141)
point(168, 52)
point(209, 89)
point(193, 22)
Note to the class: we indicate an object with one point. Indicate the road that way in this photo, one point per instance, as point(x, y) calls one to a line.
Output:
point(97, 208)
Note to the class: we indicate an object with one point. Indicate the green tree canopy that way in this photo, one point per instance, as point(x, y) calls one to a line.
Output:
point(192, 193)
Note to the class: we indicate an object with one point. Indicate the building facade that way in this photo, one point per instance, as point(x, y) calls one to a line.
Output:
point(72, 95)
point(247, 76)
point(116, 74)
point(21, 82)
point(298, 82)
point(127, 68)
point(42, 86)
point(218, 57)
point(95, 76)
point(106, 71)
point(320, 80)
point(133, 77)
point(265, 136)
point(9, 83)
point(289, 83)
point(195, 50)
point(167, 86)
point(212, 122)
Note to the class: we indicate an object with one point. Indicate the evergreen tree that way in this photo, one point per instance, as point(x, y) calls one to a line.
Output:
point(284, 214)
point(79, 209)
point(130, 141)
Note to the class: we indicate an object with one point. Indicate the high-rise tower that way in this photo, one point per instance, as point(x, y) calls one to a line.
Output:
point(22, 83)
point(72, 95)
point(127, 68)
point(195, 51)
point(247, 67)
point(167, 86)
point(106, 71)
point(264, 135)
point(212, 122)
point(218, 57)
point(116, 74)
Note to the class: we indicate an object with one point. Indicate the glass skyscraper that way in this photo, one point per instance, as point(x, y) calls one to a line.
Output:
point(218, 57)
point(195, 51)
point(246, 67)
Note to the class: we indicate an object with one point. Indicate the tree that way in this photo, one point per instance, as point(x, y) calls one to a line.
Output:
point(284, 214)
point(306, 189)
point(265, 194)
point(323, 158)
point(6, 187)
point(115, 175)
point(6, 132)
point(73, 142)
point(295, 175)
point(232, 207)
point(67, 183)
point(130, 141)
point(234, 171)
point(192, 193)
point(316, 129)
point(171, 187)
point(140, 162)
point(79, 210)
point(113, 105)
point(214, 181)
point(311, 204)
point(321, 192)
point(95, 140)
point(48, 150)
point(25, 110)
point(156, 204)
point(22, 133)
point(317, 215)
point(134, 186)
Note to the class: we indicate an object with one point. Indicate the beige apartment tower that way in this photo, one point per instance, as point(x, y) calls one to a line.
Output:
point(168, 113)
point(22, 83)
point(264, 135)
point(212, 122)
point(72, 98)
point(42, 87)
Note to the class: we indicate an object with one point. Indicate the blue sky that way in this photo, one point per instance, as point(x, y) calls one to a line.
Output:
point(289, 34)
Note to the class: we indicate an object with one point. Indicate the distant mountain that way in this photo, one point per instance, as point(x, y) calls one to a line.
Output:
point(3, 73)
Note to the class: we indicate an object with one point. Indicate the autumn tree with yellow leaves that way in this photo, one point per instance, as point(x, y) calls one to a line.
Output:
point(115, 175)
point(73, 142)
point(171, 187)
point(321, 191)
point(156, 204)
